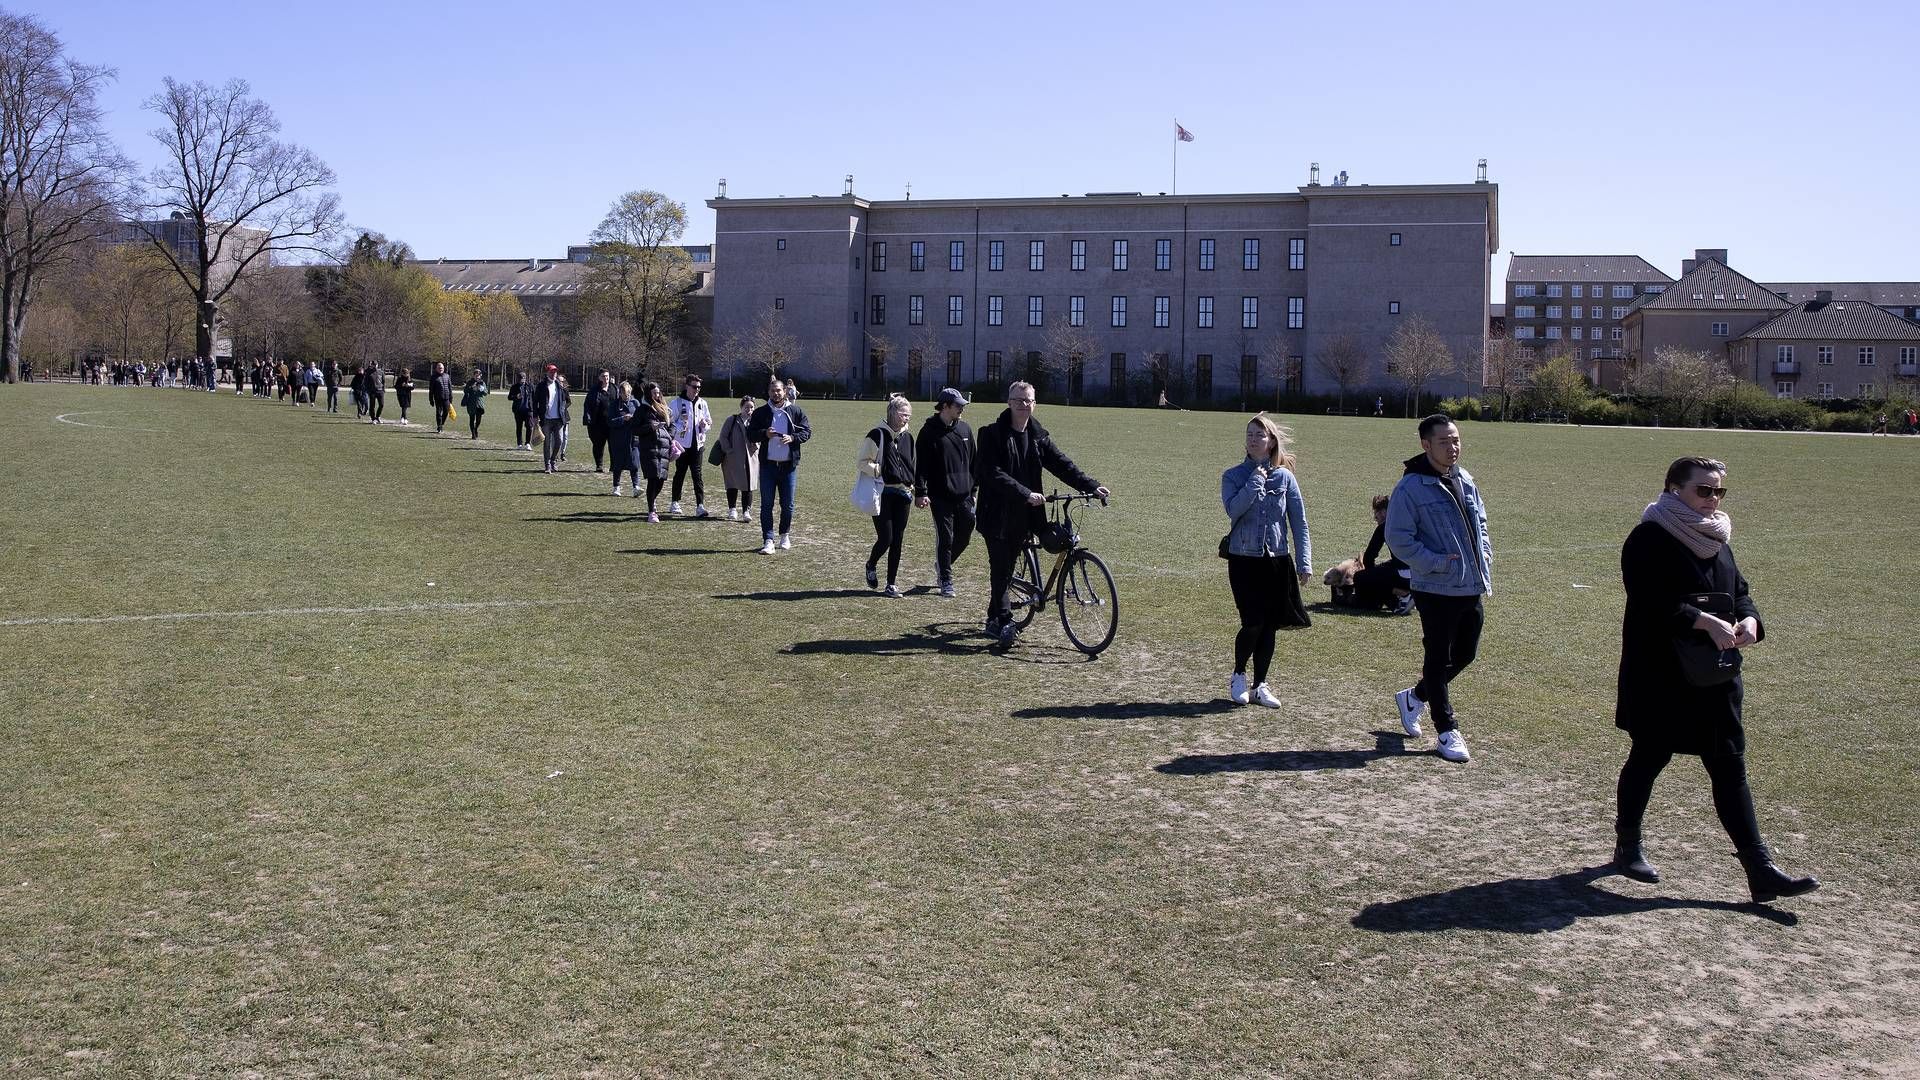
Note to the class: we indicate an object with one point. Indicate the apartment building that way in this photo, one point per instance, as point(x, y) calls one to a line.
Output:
point(1830, 348)
point(1573, 305)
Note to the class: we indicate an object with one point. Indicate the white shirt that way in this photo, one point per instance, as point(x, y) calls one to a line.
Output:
point(690, 420)
point(553, 399)
point(777, 450)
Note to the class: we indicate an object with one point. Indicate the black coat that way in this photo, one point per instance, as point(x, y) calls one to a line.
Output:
point(1008, 474)
point(946, 462)
point(1655, 702)
point(594, 409)
point(762, 423)
point(619, 417)
point(440, 389)
point(543, 391)
point(651, 440)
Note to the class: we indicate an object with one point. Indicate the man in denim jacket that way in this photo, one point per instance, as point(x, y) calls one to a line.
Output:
point(1437, 525)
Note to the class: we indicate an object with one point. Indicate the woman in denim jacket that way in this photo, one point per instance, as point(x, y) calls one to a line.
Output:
point(1263, 500)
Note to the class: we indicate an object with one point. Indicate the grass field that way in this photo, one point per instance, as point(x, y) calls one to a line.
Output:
point(341, 751)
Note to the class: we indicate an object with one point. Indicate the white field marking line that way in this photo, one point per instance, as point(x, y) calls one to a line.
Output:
point(270, 613)
point(63, 419)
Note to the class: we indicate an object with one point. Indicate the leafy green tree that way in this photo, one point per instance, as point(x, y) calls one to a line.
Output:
point(638, 267)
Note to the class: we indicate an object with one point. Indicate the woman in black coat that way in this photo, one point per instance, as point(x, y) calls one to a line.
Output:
point(1688, 616)
point(619, 413)
point(652, 438)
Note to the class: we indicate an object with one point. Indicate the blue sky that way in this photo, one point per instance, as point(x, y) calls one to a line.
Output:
point(1785, 133)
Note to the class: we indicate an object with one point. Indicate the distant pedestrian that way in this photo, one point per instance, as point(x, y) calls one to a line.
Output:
point(690, 419)
point(376, 392)
point(1379, 406)
point(474, 400)
point(440, 396)
point(780, 429)
point(593, 411)
point(1264, 570)
point(359, 388)
point(943, 481)
point(1880, 424)
point(651, 434)
point(330, 379)
point(403, 392)
point(739, 464)
point(552, 403)
point(619, 411)
point(520, 399)
point(793, 393)
point(887, 455)
point(1437, 523)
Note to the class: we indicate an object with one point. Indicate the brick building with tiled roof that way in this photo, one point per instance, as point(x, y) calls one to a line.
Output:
point(1827, 347)
point(1573, 304)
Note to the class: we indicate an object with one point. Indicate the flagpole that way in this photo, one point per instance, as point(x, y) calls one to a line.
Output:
point(1176, 157)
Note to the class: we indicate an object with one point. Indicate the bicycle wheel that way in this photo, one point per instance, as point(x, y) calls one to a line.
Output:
point(1089, 604)
point(1023, 592)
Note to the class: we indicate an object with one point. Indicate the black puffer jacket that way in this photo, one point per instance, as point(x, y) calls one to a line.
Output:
point(651, 440)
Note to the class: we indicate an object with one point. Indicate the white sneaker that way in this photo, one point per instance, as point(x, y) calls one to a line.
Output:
point(1410, 709)
point(1264, 697)
point(616, 490)
point(673, 508)
point(701, 512)
point(1452, 747)
point(1237, 689)
point(767, 548)
point(786, 541)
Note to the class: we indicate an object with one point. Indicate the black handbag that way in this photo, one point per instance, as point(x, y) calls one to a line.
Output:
point(1702, 662)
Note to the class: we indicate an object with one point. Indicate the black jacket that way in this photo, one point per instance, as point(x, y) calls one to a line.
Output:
point(543, 391)
point(762, 423)
point(1010, 467)
point(651, 441)
point(440, 389)
point(945, 460)
point(595, 410)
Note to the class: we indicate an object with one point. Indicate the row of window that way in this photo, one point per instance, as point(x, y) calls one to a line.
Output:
point(1863, 391)
point(1120, 255)
point(1553, 333)
point(1577, 311)
point(1076, 369)
point(1077, 311)
point(1620, 292)
point(1909, 354)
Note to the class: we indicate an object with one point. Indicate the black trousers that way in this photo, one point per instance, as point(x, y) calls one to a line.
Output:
point(598, 437)
point(473, 421)
point(1732, 799)
point(522, 428)
point(376, 404)
point(890, 531)
point(441, 410)
point(1450, 631)
point(689, 461)
point(952, 532)
point(333, 399)
point(1002, 556)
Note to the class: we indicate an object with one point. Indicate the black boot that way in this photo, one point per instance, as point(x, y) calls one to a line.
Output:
point(1630, 860)
point(1769, 882)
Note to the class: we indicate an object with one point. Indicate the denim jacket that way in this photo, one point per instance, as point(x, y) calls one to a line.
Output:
point(1263, 512)
point(1426, 524)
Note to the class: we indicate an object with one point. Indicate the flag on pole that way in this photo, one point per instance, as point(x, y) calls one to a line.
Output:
point(1181, 133)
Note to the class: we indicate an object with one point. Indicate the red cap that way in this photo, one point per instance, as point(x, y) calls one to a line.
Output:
point(553, 367)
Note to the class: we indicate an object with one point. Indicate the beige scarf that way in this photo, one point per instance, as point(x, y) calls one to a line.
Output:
point(1703, 535)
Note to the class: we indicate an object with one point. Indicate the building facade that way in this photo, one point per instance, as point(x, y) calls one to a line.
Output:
point(1706, 310)
point(1830, 348)
point(1575, 305)
point(1222, 296)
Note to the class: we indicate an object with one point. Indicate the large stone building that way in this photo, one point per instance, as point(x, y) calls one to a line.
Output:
point(1220, 296)
point(557, 285)
point(1830, 348)
point(1709, 307)
point(1574, 305)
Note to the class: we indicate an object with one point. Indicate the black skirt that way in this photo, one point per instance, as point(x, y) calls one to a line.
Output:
point(1266, 591)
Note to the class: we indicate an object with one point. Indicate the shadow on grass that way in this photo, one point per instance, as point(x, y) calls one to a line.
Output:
point(1126, 710)
point(797, 594)
point(594, 517)
point(1533, 906)
point(1328, 607)
point(952, 639)
point(1385, 745)
point(686, 551)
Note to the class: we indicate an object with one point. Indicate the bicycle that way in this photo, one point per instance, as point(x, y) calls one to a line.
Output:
point(1080, 583)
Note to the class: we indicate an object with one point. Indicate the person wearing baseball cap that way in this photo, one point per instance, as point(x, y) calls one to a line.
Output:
point(551, 405)
point(944, 481)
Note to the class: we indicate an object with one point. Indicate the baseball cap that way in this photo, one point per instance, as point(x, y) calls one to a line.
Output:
point(553, 367)
point(950, 396)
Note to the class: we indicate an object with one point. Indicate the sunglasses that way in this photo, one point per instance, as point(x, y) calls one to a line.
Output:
point(1708, 491)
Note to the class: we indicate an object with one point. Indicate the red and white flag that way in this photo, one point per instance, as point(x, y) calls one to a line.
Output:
point(1181, 133)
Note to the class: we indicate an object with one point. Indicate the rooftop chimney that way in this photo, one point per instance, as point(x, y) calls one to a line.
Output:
point(1823, 296)
point(1718, 255)
point(1687, 265)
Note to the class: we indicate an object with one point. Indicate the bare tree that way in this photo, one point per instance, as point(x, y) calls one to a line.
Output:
point(925, 341)
point(1684, 381)
point(729, 357)
point(62, 181)
point(1416, 355)
point(1506, 368)
point(637, 264)
point(1064, 349)
point(241, 195)
point(540, 341)
point(880, 352)
point(270, 312)
point(1345, 362)
point(603, 340)
point(451, 333)
point(770, 347)
point(502, 323)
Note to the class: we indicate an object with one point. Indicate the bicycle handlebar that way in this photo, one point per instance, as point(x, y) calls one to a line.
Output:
point(1057, 497)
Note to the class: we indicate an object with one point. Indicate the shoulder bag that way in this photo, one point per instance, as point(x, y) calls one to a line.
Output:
point(1702, 662)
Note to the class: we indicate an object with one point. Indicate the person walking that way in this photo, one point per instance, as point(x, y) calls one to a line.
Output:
point(739, 466)
point(1437, 524)
point(376, 392)
point(690, 419)
point(552, 403)
point(403, 392)
point(359, 388)
point(1689, 617)
point(474, 400)
point(1263, 503)
point(439, 395)
point(943, 481)
point(1014, 449)
point(600, 397)
point(314, 380)
point(520, 400)
point(620, 411)
point(330, 378)
point(779, 428)
point(887, 454)
point(651, 434)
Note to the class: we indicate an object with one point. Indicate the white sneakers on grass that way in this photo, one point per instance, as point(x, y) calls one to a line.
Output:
point(1410, 709)
point(1452, 746)
point(1264, 697)
point(767, 548)
point(1237, 688)
point(673, 507)
point(786, 541)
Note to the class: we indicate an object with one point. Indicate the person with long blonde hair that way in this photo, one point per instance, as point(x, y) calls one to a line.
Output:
point(887, 454)
point(1265, 571)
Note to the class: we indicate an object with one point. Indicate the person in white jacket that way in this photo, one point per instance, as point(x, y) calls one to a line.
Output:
point(688, 420)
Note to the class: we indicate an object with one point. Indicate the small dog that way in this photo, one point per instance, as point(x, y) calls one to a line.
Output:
point(1340, 580)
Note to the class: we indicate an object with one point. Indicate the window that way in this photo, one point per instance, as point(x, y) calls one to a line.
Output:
point(1654, 290)
point(1594, 352)
point(1524, 290)
point(1036, 311)
point(1297, 254)
point(953, 367)
point(780, 244)
point(1206, 313)
point(917, 255)
point(1163, 311)
point(1249, 313)
point(956, 310)
point(1079, 255)
point(1249, 376)
point(1523, 333)
point(996, 310)
point(1824, 354)
point(879, 317)
point(1206, 254)
point(993, 366)
point(1295, 374)
point(1739, 296)
point(1865, 390)
point(1783, 354)
point(779, 303)
point(876, 367)
point(1719, 296)
point(1909, 355)
point(879, 256)
point(1163, 254)
point(1553, 311)
point(1619, 312)
point(1296, 312)
point(1866, 356)
point(1119, 254)
point(1553, 333)
point(1117, 371)
point(1719, 329)
point(1250, 253)
point(1577, 333)
point(916, 310)
point(1203, 375)
point(1076, 375)
point(1576, 296)
point(1553, 292)
point(1119, 312)
point(1826, 389)
point(1593, 332)
point(1579, 311)
point(1036, 254)
point(701, 279)
point(996, 254)
point(1076, 311)
point(957, 255)
point(1393, 307)
point(1393, 240)
point(1618, 333)
point(1622, 292)
point(1523, 311)
point(1699, 296)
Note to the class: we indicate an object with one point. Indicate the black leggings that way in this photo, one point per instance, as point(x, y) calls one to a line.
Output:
point(1732, 799)
point(745, 495)
point(522, 429)
point(654, 484)
point(1256, 589)
point(890, 531)
point(473, 421)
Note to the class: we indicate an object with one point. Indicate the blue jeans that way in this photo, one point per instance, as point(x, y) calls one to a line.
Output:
point(776, 478)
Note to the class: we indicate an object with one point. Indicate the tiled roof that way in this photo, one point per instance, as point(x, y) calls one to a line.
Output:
point(1717, 288)
point(524, 277)
point(1607, 268)
point(1852, 320)
point(1884, 293)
